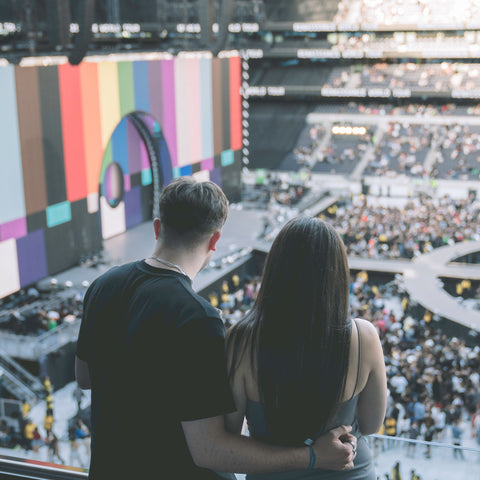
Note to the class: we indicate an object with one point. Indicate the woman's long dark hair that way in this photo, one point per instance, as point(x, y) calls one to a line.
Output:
point(298, 331)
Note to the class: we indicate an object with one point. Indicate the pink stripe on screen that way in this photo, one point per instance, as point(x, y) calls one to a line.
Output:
point(168, 121)
point(195, 113)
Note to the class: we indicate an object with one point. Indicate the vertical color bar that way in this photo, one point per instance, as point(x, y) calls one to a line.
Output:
point(134, 152)
point(30, 127)
point(182, 84)
point(168, 120)
point(217, 106)
point(109, 99)
point(73, 136)
point(9, 279)
point(120, 145)
point(141, 87)
point(225, 62)
point(32, 258)
point(52, 134)
point(125, 85)
point(12, 201)
point(206, 123)
point(194, 118)
point(155, 89)
point(235, 75)
point(92, 127)
point(106, 161)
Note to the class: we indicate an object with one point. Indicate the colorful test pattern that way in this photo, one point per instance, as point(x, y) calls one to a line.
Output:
point(70, 142)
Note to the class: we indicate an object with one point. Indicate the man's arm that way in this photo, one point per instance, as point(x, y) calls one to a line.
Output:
point(214, 448)
point(82, 374)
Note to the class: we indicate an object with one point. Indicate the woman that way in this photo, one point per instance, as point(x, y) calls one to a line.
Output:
point(299, 365)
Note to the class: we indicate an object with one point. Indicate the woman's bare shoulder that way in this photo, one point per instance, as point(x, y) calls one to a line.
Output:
point(366, 329)
point(369, 339)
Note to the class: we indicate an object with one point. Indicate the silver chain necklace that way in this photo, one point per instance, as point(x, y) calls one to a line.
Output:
point(168, 264)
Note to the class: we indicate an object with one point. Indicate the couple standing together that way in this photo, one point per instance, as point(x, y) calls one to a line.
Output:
point(169, 400)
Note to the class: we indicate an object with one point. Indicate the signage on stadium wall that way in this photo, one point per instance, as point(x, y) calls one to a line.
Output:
point(252, 53)
point(264, 92)
point(364, 92)
point(331, 92)
point(318, 53)
point(312, 27)
point(282, 91)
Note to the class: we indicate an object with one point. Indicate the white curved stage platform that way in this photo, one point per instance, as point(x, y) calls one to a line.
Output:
point(421, 279)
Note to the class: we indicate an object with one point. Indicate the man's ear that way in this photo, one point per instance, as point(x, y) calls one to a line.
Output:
point(213, 240)
point(156, 227)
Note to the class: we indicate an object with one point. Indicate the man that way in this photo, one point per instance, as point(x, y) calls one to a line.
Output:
point(146, 334)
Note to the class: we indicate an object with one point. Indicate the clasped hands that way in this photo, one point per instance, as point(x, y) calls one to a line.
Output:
point(336, 449)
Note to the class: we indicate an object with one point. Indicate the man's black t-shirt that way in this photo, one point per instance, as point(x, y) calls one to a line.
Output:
point(155, 351)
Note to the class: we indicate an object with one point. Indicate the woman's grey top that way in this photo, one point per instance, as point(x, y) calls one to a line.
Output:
point(363, 463)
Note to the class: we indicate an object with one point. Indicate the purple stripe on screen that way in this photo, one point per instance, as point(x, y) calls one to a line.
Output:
point(208, 164)
point(32, 258)
point(126, 183)
point(134, 153)
point(216, 176)
point(144, 160)
point(14, 229)
point(108, 182)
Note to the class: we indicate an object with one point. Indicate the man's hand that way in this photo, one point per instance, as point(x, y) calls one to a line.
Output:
point(334, 450)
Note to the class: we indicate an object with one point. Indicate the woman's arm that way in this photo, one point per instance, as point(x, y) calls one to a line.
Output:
point(234, 421)
point(372, 401)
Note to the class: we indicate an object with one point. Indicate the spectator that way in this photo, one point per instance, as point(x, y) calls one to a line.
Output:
point(48, 421)
point(53, 448)
point(457, 434)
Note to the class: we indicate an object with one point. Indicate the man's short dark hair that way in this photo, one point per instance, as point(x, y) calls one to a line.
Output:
point(190, 211)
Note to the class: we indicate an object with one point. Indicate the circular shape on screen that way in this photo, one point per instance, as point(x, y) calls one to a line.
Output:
point(113, 186)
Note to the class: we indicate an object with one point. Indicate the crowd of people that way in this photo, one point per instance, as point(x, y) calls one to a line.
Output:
point(34, 313)
point(306, 153)
point(441, 77)
point(340, 154)
point(433, 380)
point(458, 152)
point(421, 225)
point(42, 441)
point(412, 12)
point(401, 150)
point(452, 45)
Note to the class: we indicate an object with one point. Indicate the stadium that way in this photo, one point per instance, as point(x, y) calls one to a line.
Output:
point(362, 113)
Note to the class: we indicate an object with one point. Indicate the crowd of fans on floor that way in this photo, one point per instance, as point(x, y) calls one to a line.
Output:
point(433, 380)
point(421, 225)
point(24, 433)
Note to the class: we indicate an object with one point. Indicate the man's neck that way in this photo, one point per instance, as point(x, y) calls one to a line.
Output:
point(190, 262)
